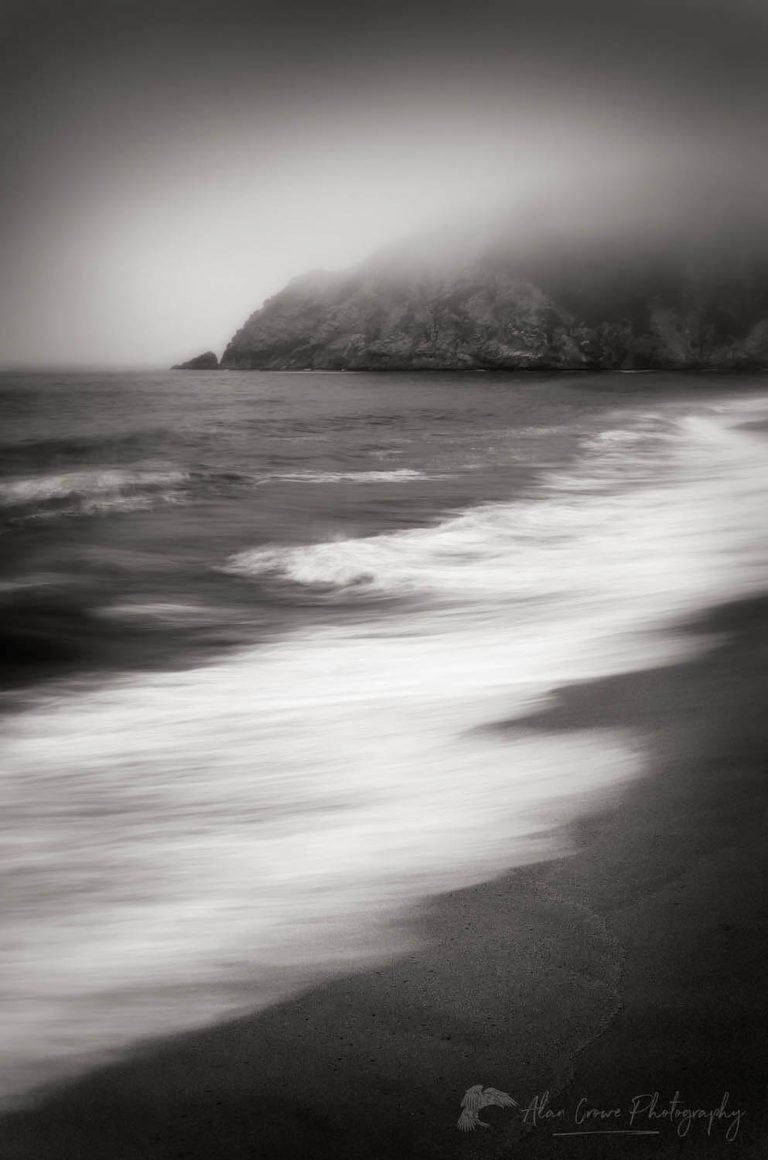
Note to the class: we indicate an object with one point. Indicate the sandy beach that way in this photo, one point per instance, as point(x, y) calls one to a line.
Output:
point(588, 988)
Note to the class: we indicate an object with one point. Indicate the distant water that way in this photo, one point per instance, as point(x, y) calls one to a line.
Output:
point(253, 625)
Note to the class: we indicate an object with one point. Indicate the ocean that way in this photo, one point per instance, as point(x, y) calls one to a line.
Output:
point(259, 631)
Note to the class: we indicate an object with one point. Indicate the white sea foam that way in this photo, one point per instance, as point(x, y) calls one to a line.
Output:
point(186, 843)
point(34, 580)
point(166, 611)
point(683, 532)
point(398, 475)
point(38, 488)
point(91, 492)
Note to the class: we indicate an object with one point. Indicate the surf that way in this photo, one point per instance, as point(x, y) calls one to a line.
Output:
point(184, 844)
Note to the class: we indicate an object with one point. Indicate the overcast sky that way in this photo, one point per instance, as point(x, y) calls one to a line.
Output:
point(168, 165)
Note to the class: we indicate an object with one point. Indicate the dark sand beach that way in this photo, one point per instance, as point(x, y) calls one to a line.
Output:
point(635, 966)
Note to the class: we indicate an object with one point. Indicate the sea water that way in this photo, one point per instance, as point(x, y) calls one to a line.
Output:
point(255, 629)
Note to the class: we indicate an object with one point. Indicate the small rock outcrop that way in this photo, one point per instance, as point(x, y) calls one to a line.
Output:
point(203, 362)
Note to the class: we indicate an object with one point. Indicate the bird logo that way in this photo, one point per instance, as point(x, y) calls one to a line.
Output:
point(475, 1099)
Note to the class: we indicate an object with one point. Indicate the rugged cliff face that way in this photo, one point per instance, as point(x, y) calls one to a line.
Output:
point(566, 308)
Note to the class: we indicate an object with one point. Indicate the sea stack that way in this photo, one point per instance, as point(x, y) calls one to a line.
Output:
point(203, 362)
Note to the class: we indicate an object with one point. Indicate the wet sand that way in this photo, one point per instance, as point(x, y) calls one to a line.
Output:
point(635, 966)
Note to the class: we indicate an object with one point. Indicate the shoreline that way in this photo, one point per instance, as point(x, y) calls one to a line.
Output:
point(631, 967)
point(546, 371)
point(162, 369)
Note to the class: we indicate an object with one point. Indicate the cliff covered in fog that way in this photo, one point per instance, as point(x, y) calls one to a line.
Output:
point(553, 305)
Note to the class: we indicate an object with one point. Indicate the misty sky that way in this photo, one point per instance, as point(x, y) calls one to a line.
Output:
point(167, 165)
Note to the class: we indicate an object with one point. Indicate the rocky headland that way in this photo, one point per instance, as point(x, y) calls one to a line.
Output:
point(550, 305)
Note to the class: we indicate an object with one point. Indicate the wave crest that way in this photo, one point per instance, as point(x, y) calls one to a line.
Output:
point(90, 492)
point(398, 475)
point(656, 516)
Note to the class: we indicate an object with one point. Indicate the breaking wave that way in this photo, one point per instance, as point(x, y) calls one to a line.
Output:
point(401, 475)
point(89, 492)
point(653, 519)
point(177, 835)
